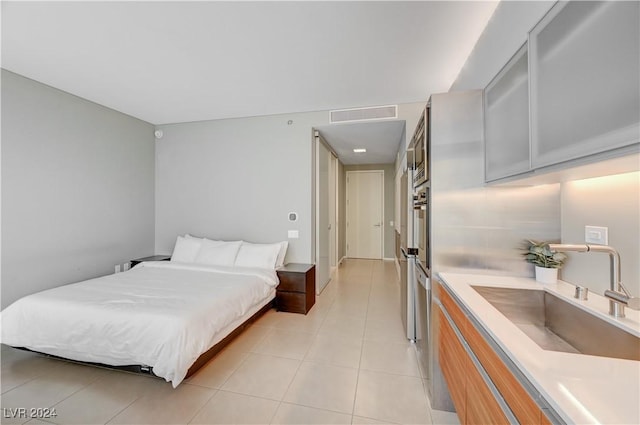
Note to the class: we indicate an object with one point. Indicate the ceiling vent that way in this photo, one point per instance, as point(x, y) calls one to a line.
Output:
point(363, 114)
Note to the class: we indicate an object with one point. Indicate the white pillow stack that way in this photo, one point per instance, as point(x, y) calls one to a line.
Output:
point(258, 255)
point(218, 253)
point(189, 249)
point(186, 249)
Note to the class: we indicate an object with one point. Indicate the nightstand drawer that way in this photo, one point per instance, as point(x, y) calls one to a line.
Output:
point(294, 302)
point(292, 282)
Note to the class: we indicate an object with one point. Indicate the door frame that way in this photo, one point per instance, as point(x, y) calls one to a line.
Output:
point(382, 219)
point(333, 213)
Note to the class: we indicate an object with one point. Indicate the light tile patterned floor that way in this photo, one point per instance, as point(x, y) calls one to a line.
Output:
point(346, 362)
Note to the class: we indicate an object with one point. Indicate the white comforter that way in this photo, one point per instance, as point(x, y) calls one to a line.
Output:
point(159, 314)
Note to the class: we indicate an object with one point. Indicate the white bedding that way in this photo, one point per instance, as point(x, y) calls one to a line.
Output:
point(160, 314)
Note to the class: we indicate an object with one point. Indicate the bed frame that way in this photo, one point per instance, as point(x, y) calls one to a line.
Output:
point(200, 361)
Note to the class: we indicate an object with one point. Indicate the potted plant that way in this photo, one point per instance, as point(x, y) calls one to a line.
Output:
point(546, 261)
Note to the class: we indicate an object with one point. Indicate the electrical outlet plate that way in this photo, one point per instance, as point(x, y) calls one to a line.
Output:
point(117, 268)
point(596, 235)
point(293, 234)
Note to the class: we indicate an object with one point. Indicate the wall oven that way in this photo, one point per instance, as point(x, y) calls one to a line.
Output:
point(421, 226)
point(419, 145)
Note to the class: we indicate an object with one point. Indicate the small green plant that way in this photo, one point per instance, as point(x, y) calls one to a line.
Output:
point(539, 254)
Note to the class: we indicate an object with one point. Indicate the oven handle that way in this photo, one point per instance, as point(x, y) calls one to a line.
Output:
point(421, 277)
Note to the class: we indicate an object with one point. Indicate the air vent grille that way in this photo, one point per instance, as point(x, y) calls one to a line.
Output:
point(363, 114)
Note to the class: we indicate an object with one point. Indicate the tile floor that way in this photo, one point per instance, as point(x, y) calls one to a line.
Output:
point(346, 362)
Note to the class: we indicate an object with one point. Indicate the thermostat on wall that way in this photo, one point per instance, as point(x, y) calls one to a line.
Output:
point(293, 216)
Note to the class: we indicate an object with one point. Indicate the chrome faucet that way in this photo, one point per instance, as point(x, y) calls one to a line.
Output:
point(618, 295)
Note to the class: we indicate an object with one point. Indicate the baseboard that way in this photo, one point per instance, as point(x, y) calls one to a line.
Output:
point(389, 259)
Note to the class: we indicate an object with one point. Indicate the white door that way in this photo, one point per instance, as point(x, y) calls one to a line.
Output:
point(365, 220)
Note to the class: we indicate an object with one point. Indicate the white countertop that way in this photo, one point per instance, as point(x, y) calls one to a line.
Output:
point(582, 389)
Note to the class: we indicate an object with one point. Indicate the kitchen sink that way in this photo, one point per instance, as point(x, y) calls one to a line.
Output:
point(557, 325)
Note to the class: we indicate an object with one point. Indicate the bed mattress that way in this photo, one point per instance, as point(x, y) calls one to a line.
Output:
point(158, 314)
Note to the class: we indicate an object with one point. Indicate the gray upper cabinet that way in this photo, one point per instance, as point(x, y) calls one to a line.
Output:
point(506, 120)
point(585, 85)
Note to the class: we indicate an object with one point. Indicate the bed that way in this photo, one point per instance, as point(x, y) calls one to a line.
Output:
point(166, 317)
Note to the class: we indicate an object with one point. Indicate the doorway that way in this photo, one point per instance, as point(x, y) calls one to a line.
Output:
point(365, 214)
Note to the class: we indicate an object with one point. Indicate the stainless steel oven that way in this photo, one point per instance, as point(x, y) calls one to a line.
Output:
point(420, 147)
point(421, 226)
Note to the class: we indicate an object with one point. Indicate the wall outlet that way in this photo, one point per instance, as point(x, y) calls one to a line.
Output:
point(596, 235)
point(293, 234)
point(391, 223)
point(117, 268)
point(126, 266)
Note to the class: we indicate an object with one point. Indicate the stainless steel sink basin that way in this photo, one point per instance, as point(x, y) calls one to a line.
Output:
point(557, 325)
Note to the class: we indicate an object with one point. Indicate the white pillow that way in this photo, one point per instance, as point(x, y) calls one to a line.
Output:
point(283, 251)
point(186, 249)
point(258, 255)
point(218, 253)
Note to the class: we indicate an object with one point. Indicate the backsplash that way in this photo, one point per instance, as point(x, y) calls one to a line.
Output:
point(483, 228)
point(610, 201)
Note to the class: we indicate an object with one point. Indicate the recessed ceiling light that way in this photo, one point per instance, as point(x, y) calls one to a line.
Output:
point(359, 150)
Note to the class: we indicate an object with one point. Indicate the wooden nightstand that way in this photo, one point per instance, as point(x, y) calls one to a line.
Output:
point(150, 258)
point(296, 292)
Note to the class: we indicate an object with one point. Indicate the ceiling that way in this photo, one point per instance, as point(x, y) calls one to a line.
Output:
point(381, 139)
point(168, 62)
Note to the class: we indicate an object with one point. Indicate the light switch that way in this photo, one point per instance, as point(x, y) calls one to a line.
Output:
point(293, 234)
point(596, 235)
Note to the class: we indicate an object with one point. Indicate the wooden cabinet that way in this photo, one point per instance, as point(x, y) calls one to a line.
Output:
point(296, 292)
point(585, 91)
point(482, 406)
point(483, 388)
point(453, 362)
point(506, 120)
point(522, 405)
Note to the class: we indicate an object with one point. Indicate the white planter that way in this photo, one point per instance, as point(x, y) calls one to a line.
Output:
point(544, 275)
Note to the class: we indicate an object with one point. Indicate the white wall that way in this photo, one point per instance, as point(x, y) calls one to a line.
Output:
point(506, 31)
point(237, 179)
point(613, 202)
point(77, 188)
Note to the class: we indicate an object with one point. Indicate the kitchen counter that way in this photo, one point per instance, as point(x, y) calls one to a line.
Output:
point(580, 388)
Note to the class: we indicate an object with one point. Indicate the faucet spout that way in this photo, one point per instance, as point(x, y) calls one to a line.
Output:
point(617, 293)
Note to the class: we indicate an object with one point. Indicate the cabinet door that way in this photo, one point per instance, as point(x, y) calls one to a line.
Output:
point(453, 361)
point(482, 406)
point(585, 91)
point(506, 119)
